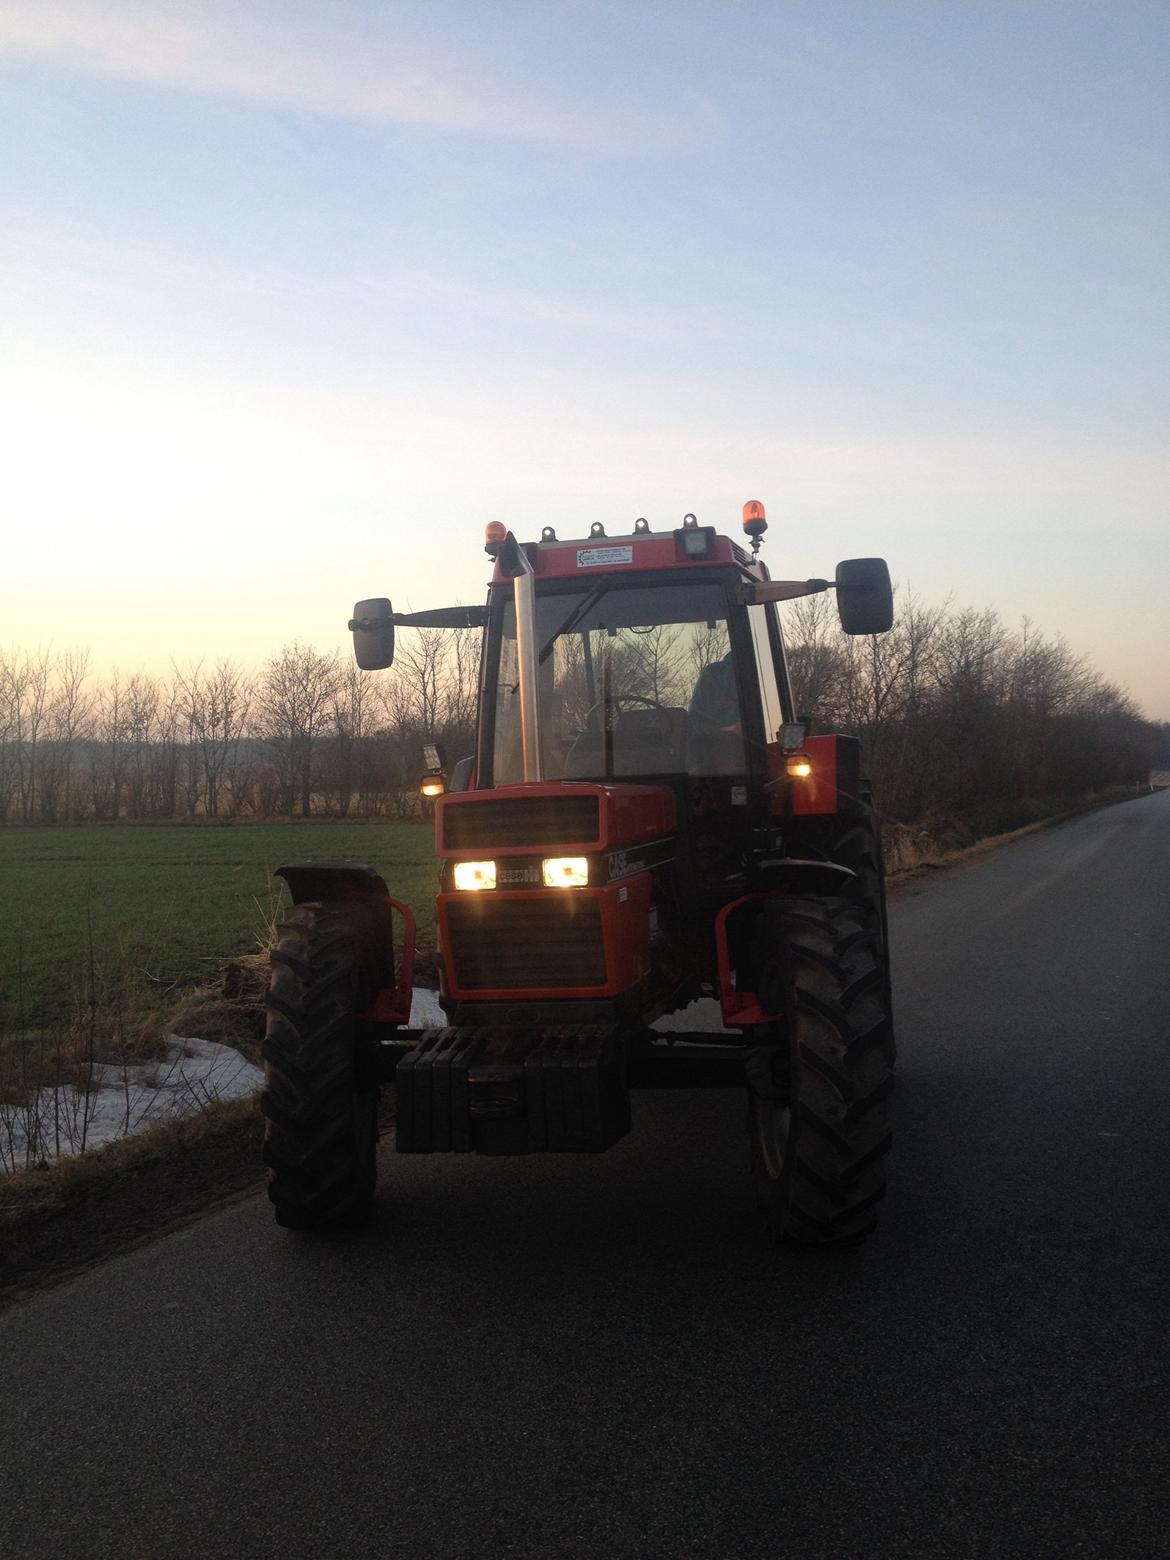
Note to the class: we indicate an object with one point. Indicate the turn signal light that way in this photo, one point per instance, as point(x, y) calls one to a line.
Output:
point(565, 871)
point(431, 785)
point(495, 534)
point(472, 875)
point(799, 767)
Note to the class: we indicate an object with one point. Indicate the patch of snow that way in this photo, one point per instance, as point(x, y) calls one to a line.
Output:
point(124, 1099)
point(191, 1073)
point(425, 1012)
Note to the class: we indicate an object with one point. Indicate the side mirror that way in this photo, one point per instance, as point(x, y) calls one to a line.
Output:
point(865, 597)
point(372, 627)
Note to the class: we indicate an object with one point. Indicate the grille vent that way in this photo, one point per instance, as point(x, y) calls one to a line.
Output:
point(548, 941)
point(514, 820)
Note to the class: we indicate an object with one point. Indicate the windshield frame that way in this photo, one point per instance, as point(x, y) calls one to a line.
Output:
point(739, 636)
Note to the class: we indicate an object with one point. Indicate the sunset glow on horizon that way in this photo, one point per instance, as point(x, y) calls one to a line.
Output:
point(296, 298)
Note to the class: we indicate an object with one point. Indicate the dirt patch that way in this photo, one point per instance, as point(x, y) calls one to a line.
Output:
point(77, 1212)
point(71, 1215)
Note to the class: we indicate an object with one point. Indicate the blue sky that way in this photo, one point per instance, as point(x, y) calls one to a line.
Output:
point(298, 296)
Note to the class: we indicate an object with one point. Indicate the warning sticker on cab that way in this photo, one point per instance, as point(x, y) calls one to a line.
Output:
point(603, 557)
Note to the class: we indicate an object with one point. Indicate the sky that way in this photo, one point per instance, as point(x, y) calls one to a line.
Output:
point(297, 296)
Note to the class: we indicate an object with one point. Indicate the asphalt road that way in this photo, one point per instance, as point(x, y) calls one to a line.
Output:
point(602, 1356)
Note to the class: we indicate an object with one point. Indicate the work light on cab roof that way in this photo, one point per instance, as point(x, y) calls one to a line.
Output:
point(642, 818)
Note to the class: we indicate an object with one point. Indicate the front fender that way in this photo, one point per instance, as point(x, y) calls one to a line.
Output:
point(333, 881)
point(739, 1003)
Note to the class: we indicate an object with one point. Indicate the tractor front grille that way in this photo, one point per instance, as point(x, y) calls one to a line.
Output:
point(514, 820)
point(545, 942)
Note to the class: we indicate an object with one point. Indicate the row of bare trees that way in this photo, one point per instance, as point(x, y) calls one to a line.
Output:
point(961, 717)
point(307, 735)
point(965, 718)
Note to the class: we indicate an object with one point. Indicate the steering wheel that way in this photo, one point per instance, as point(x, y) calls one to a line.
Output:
point(616, 703)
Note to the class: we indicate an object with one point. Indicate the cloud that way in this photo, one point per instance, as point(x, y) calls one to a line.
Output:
point(133, 280)
point(384, 67)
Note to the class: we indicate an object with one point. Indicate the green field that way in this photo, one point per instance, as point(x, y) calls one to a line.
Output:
point(168, 902)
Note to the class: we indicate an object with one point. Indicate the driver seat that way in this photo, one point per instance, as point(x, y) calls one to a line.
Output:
point(645, 742)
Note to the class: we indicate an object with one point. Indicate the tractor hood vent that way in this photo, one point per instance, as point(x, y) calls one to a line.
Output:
point(530, 820)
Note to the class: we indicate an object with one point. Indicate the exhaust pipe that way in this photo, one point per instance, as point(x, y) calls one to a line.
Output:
point(515, 561)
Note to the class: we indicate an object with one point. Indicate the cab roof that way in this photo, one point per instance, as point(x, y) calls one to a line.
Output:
point(643, 550)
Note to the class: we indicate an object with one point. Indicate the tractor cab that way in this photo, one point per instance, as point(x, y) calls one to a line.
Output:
point(651, 658)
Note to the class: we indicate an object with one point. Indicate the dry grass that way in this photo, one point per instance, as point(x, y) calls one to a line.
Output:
point(44, 1192)
point(940, 843)
point(56, 1220)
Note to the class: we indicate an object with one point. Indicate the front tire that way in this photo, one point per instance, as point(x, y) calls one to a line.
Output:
point(319, 1103)
point(819, 1088)
point(858, 846)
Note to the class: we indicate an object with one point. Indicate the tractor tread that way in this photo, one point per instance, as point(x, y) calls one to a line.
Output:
point(826, 960)
point(319, 1120)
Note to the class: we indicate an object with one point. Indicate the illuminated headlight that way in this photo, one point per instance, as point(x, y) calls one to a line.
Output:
point(565, 871)
point(475, 874)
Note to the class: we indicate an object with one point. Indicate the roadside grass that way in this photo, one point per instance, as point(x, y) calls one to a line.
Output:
point(909, 849)
point(46, 1190)
point(138, 915)
point(63, 1216)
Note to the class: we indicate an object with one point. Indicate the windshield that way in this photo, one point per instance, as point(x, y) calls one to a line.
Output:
point(637, 680)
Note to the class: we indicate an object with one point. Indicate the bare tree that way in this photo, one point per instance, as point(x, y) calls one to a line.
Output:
point(294, 703)
point(67, 722)
point(142, 701)
point(215, 708)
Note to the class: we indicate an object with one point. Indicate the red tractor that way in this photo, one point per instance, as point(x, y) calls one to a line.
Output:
point(645, 821)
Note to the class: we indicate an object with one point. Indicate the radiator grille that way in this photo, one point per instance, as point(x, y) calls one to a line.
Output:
point(515, 820)
point(548, 941)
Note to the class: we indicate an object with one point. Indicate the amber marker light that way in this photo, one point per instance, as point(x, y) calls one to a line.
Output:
point(495, 534)
point(431, 785)
point(565, 871)
point(755, 522)
point(473, 875)
point(799, 767)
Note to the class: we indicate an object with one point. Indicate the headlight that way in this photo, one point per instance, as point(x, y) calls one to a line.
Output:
point(475, 874)
point(565, 871)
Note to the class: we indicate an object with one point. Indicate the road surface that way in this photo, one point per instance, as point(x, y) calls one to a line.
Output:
point(602, 1356)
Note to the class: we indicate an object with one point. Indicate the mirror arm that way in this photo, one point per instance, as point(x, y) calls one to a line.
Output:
point(785, 590)
point(434, 617)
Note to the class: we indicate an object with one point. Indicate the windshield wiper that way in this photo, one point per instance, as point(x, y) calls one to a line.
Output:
point(585, 605)
point(574, 617)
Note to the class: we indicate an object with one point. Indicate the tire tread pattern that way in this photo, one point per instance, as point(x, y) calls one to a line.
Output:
point(836, 1043)
point(319, 1121)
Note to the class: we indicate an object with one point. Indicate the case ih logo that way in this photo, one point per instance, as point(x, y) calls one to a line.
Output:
point(622, 865)
point(519, 877)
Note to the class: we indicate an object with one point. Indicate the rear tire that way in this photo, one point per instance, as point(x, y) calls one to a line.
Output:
point(819, 1090)
point(320, 1104)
